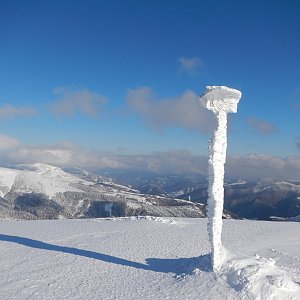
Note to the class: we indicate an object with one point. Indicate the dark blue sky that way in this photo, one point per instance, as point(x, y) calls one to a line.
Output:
point(73, 71)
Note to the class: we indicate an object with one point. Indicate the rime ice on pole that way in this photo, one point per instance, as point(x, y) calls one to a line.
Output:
point(221, 100)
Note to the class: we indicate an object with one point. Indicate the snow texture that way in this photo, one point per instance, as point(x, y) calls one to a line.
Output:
point(147, 258)
point(220, 100)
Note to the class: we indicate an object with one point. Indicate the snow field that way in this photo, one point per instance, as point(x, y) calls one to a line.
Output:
point(147, 258)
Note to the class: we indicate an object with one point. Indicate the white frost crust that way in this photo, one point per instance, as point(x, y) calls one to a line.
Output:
point(215, 202)
point(220, 100)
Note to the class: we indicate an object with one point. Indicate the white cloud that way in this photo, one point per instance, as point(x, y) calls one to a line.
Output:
point(263, 166)
point(172, 161)
point(69, 155)
point(82, 101)
point(7, 142)
point(249, 167)
point(63, 155)
point(7, 111)
point(261, 126)
point(190, 66)
point(183, 111)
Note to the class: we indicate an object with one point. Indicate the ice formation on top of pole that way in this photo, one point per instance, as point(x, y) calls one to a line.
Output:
point(220, 100)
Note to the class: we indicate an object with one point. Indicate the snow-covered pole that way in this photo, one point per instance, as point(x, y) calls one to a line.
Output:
point(221, 100)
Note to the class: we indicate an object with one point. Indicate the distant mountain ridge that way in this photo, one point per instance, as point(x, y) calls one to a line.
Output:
point(265, 199)
point(41, 191)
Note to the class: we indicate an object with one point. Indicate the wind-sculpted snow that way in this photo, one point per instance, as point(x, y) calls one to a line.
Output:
point(259, 278)
point(147, 258)
point(220, 100)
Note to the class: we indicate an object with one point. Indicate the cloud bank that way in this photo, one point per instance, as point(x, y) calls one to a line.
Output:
point(249, 167)
point(263, 166)
point(69, 155)
point(183, 111)
point(63, 155)
point(82, 101)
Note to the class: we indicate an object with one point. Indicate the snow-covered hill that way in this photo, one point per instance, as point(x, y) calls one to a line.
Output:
point(36, 178)
point(41, 191)
point(147, 258)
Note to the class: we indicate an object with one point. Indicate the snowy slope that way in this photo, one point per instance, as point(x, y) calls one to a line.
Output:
point(147, 258)
point(38, 178)
point(41, 191)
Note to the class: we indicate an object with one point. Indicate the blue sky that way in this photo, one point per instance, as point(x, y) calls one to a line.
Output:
point(72, 73)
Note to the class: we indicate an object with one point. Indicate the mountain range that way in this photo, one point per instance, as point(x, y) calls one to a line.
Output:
point(265, 199)
point(41, 191)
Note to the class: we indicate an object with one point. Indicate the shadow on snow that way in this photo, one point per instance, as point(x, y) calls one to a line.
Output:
point(178, 266)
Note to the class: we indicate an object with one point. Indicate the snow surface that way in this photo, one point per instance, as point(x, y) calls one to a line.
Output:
point(147, 258)
point(220, 100)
